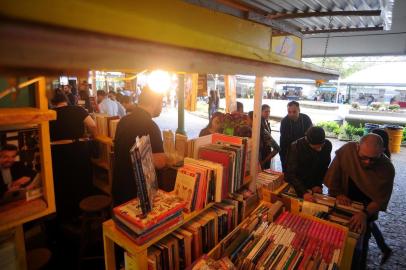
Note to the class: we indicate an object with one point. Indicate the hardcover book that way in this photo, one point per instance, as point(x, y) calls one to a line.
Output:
point(164, 205)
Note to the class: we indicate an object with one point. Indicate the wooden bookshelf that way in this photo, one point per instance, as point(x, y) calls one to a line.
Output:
point(13, 215)
point(111, 236)
point(25, 116)
point(104, 139)
point(103, 165)
point(19, 212)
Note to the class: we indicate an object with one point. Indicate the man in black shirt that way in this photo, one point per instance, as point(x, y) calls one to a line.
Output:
point(138, 123)
point(293, 127)
point(308, 160)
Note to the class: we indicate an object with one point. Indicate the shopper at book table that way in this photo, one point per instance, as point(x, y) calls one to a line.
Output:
point(138, 123)
point(120, 109)
point(14, 174)
point(70, 155)
point(214, 126)
point(105, 104)
point(268, 146)
point(293, 127)
point(360, 172)
point(308, 160)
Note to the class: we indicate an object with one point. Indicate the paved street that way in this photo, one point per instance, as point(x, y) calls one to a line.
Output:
point(392, 223)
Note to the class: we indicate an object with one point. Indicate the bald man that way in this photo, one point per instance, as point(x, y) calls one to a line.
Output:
point(360, 172)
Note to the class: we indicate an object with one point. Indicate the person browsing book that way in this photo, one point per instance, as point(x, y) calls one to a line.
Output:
point(308, 160)
point(138, 123)
point(268, 146)
point(360, 172)
point(293, 127)
point(214, 125)
point(14, 174)
point(70, 155)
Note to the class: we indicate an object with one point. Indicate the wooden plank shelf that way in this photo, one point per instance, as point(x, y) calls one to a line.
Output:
point(109, 228)
point(100, 163)
point(25, 116)
point(104, 139)
point(19, 212)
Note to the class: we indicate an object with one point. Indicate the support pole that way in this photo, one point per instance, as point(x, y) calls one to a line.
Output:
point(181, 104)
point(256, 125)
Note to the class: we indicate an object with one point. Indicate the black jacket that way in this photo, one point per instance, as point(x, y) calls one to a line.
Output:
point(290, 132)
point(18, 170)
point(306, 167)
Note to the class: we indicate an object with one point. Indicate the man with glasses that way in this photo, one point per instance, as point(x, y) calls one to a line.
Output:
point(308, 160)
point(360, 172)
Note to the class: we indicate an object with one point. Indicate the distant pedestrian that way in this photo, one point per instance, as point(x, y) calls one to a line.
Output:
point(213, 102)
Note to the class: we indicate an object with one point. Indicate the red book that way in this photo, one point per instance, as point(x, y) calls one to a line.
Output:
point(202, 191)
point(142, 239)
point(281, 217)
point(164, 205)
point(222, 138)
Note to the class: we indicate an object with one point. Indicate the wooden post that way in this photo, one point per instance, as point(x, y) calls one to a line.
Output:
point(256, 125)
point(230, 85)
point(20, 247)
point(181, 104)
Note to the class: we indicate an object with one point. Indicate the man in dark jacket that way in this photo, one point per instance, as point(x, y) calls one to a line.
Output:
point(293, 127)
point(14, 175)
point(308, 160)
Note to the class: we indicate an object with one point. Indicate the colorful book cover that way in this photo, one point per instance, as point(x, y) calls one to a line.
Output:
point(165, 204)
point(142, 239)
point(144, 146)
point(185, 186)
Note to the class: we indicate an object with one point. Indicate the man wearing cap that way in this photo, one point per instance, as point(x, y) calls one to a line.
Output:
point(138, 123)
point(361, 172)
point(308, 160)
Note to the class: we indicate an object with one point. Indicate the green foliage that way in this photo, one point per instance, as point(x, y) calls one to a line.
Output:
point(394, 107)
point(351, 131)
point(330, 126)
point(404, 135)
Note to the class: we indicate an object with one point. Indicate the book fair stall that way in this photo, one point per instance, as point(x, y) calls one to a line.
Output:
point(223, 212)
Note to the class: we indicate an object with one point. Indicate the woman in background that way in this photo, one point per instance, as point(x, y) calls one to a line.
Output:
point(214, 125)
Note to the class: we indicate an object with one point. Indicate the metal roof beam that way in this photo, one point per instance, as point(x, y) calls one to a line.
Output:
point(286, 16)
point(319, 31)
point(281, 26)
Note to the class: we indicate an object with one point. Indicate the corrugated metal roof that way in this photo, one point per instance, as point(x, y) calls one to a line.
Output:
point(310, 16)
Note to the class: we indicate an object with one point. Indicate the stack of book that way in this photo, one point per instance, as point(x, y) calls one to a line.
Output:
point(232, 153)
point(196, 183)
point(328, 208)
point(104, 125)
point(269, 181)
point(165, 215)
point(153, 211)
point(291, 242)
point(175, 146)
point(247, 202)
point(195, 238)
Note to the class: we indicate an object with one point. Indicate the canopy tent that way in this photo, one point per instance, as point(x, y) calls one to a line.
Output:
point(385, 74)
